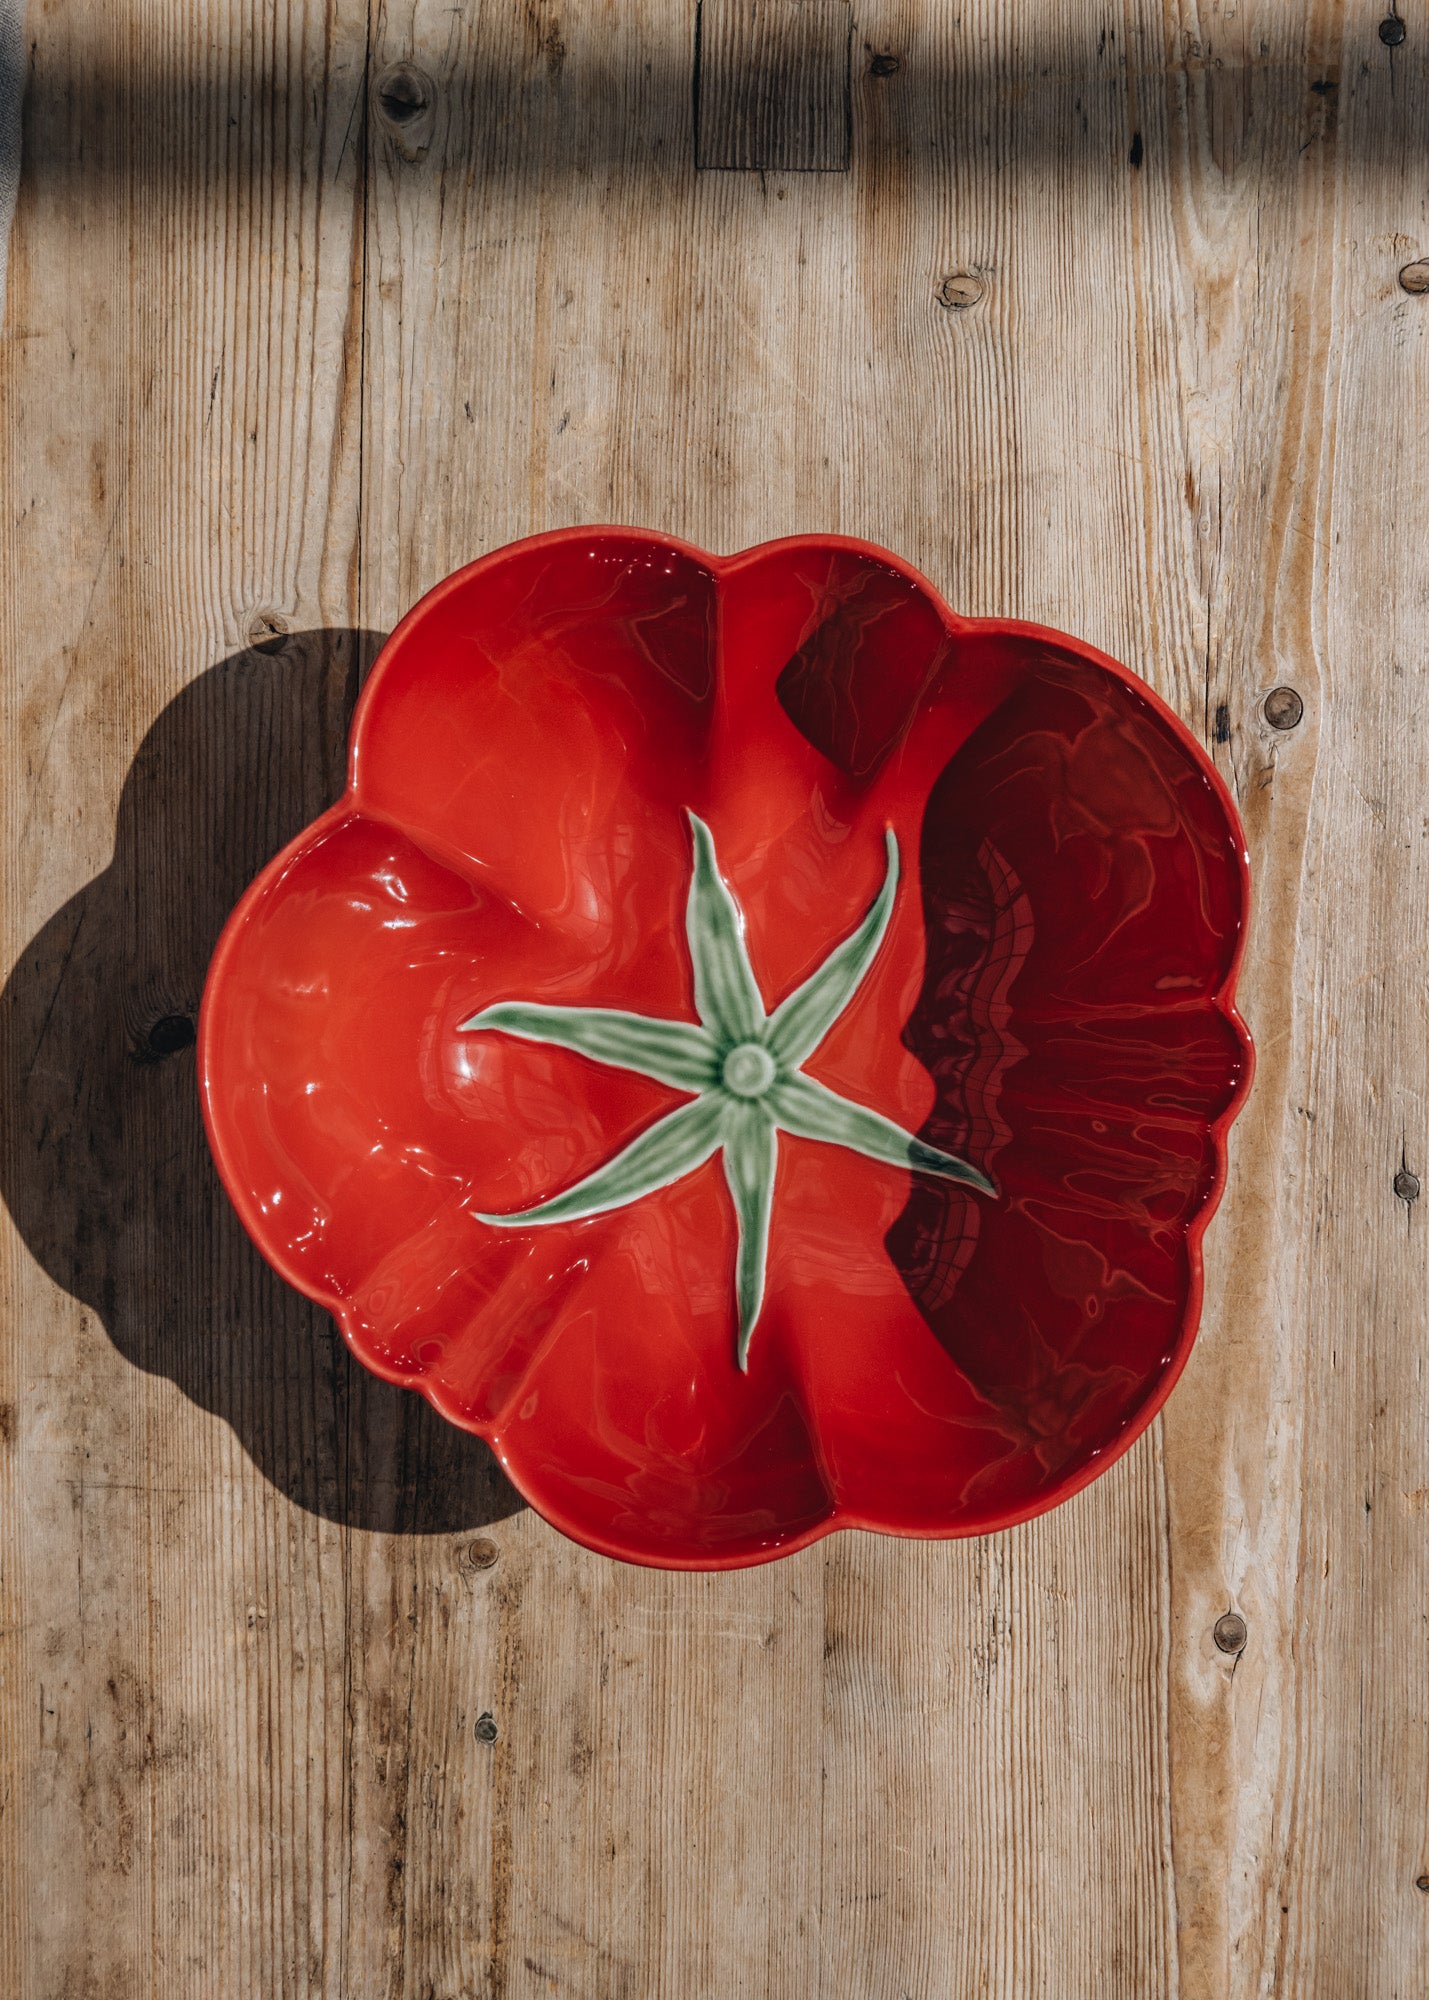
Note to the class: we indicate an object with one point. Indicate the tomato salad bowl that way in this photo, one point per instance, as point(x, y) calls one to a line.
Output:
point(753, 1045)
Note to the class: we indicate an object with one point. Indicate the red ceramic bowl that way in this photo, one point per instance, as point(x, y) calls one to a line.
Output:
point(756, 1047)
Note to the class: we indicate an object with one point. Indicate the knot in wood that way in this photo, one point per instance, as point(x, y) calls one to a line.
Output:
point(1406, 1185)
point(959, 290)
point(264, 627)
point(1283, 708)
point(405, 99)
point(169, 1035)
point(1229, 1632)
point(403, 92)
point(1414, 278)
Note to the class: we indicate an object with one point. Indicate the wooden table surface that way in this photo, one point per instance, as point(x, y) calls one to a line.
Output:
point(1095, 313)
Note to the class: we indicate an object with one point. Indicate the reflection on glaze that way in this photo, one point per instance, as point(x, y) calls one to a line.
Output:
point(1051, 1000)
point(745, 1068)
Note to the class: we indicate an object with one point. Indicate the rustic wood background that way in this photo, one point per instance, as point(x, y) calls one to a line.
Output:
point(1094, 310)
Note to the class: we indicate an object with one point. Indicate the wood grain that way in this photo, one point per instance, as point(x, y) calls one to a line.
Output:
point(772, 85)
point(1102, 327)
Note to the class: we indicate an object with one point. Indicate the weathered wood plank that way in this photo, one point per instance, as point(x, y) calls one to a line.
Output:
point(179, 461)
point(1282, 1832)
point(1101, 327)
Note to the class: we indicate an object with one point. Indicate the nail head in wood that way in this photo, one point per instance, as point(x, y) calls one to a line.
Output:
point(1230, 1633)
point(1283, 708)
point(483, 1553)
point(1392, 31)
point(1415, 277)
point(486, 1727)
point(959, 290)
point(1406, 1185)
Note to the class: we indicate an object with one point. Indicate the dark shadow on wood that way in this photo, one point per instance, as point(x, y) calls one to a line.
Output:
point(104, 1165)
point(1041, 96)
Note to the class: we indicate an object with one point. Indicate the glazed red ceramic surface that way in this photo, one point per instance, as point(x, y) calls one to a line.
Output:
point(755, 1046)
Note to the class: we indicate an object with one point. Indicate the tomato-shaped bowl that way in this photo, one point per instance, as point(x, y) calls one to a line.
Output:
point(753, 1045)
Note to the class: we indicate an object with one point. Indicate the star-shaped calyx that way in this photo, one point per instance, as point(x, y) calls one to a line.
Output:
point(744, 1068)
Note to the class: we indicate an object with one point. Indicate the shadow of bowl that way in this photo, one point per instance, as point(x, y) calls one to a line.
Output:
point(104, 1165)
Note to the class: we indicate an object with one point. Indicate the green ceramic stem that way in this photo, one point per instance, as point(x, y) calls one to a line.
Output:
point(743, 1067)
